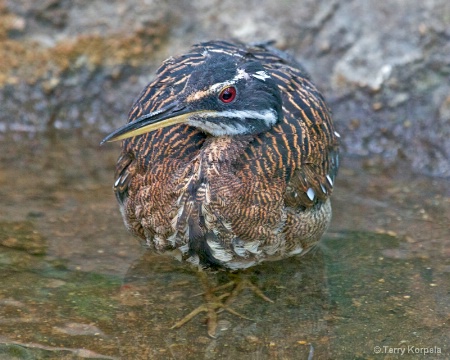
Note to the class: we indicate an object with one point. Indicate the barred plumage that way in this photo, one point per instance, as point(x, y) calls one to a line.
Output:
point(228, 184)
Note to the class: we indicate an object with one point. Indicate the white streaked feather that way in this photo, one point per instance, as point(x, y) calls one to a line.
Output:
point(174, 222)
point(184, 248)
point(159, 241)
point(218, 251)
point(252, 247)
point(261, 75)
point(172, 238)
point(238, 247)
point(273, 248)
point(329, 180)
point(224, 51)
point(297, 250)
point(241, 74)
point(238, 265)
point(311, 194)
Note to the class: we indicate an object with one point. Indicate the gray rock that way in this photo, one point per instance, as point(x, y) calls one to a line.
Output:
point(384, 66)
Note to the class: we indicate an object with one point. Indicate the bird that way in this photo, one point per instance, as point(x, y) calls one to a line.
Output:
point(229, 158)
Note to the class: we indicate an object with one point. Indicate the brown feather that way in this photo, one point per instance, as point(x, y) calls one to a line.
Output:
point(244, 199)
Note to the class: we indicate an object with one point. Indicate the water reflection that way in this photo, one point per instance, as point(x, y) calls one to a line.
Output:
point(156, 294)
point(75, 285)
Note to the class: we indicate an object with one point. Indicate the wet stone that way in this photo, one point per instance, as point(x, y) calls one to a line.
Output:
point(379, 277)
point(22, 236)
point(80, 329)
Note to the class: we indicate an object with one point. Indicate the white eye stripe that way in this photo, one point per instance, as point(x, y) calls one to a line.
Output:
point(241, 74)
point(261, 75)
point(220, 86)
point(267, 115)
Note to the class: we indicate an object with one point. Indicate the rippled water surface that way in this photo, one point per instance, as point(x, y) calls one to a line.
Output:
point(76, 285)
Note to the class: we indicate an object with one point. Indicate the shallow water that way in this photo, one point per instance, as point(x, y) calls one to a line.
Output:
point(76, 285)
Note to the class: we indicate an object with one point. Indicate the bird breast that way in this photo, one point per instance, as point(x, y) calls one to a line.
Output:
point(218, 208)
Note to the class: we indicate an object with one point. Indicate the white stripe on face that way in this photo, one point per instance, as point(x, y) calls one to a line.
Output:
point(269, 117)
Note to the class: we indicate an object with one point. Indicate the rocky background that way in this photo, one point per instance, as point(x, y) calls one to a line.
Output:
point(384, 66)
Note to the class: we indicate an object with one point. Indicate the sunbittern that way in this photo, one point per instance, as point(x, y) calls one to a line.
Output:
point(229, 158)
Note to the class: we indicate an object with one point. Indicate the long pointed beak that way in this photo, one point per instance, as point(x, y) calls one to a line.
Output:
point(166, 116)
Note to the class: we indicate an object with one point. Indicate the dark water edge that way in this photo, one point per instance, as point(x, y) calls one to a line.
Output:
point(76, 285)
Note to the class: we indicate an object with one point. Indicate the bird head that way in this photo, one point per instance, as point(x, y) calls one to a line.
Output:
point(223, 94)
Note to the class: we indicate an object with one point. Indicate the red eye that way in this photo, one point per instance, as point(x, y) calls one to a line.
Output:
point(228, 94)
